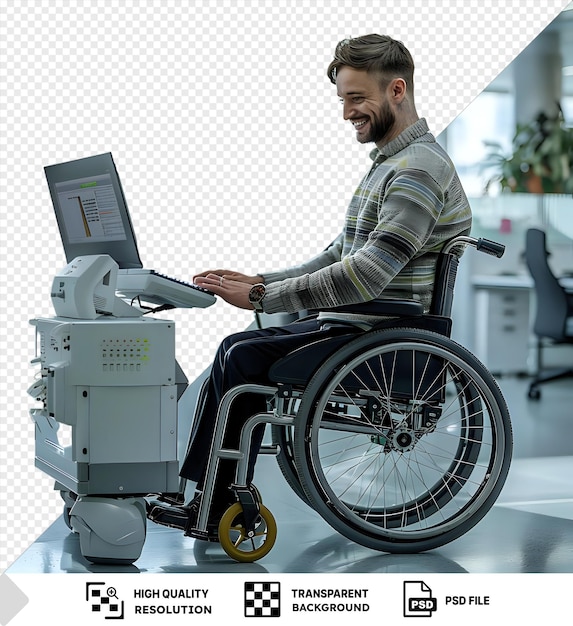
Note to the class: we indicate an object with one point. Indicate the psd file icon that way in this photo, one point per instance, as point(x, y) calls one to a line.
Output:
point(418, 599)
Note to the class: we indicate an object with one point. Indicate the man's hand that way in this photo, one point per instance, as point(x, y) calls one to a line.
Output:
point(226, 286)
point(229, 274)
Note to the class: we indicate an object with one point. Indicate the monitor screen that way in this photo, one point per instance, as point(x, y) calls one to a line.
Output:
point(91, 210)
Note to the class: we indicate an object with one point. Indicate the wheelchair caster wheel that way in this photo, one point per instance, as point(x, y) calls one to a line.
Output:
point(235, 540)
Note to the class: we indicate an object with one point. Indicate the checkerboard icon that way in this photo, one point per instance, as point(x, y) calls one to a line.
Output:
point(262, 599)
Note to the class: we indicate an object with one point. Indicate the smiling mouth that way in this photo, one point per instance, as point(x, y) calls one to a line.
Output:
point(359, 124)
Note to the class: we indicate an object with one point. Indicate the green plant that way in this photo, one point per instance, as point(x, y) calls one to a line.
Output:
point(541, 159)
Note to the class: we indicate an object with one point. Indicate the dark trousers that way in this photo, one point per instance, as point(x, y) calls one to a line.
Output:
point(242, 358)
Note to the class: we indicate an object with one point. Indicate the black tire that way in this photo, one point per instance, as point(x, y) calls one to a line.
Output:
point(283, 437)
point(403, 440)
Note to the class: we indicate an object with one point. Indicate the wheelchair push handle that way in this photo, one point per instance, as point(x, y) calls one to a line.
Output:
point(479, 243)
point(490, 247)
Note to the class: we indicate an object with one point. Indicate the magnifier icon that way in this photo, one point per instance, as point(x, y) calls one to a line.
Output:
point(112, 593)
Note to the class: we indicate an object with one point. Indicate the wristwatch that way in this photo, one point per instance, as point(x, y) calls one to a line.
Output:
point(256, 296)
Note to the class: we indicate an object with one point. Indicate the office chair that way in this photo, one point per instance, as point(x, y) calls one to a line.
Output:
point(554, 310)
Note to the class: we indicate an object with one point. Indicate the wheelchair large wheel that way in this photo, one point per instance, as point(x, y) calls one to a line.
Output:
point(283, 437)
point(403, 440)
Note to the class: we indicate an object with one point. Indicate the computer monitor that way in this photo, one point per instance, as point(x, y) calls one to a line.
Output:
point(91, 210)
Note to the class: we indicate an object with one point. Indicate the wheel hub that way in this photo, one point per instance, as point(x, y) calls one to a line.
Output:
point(403, 440)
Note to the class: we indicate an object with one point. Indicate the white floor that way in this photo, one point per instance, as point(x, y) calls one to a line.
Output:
point(530, 529)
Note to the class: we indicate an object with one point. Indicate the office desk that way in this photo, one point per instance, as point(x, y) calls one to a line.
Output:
point(504, 306)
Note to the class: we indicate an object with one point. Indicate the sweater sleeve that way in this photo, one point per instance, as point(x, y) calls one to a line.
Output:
point(331, 254)
point(401, 221)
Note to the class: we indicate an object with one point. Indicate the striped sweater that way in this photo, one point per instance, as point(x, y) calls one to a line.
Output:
point(408, 205)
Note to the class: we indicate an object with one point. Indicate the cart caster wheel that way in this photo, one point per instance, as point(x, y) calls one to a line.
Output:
point(534, 393)
point(69, 499)
point(111, 530)
point(66, 517)
point(233, 536)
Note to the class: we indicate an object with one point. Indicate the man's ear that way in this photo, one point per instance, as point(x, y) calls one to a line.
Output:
point(397, 90)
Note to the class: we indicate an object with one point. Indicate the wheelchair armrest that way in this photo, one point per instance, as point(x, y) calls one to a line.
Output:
point(393, 307)
point(297, 367)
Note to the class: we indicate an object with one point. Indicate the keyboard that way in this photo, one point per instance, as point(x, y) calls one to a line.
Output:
point(151, 286)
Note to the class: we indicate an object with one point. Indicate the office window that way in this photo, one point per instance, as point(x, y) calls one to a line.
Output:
point(490, 117)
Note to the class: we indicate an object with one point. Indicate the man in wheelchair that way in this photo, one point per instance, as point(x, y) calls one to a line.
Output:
point(405, 208)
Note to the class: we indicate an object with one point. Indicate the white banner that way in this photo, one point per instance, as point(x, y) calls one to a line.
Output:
point(304, 598)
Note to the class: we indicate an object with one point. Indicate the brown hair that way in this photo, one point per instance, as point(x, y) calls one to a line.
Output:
point(378, 54)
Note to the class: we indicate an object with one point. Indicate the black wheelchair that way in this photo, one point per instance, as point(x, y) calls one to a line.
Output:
point(399, 438)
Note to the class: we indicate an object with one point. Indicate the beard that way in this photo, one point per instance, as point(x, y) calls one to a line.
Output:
point(380, 125)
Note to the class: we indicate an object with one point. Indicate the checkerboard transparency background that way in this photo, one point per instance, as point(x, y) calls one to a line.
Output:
point(229, 141)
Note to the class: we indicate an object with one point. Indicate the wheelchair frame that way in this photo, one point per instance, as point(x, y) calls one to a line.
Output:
point(391, 425)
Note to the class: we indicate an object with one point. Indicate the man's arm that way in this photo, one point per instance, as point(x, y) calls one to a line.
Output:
point(406, 215)
point(234, 287)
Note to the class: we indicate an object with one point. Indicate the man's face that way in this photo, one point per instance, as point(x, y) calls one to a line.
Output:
point(365, 105)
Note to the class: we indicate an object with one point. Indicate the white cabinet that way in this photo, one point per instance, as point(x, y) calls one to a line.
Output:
point(502, 327)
